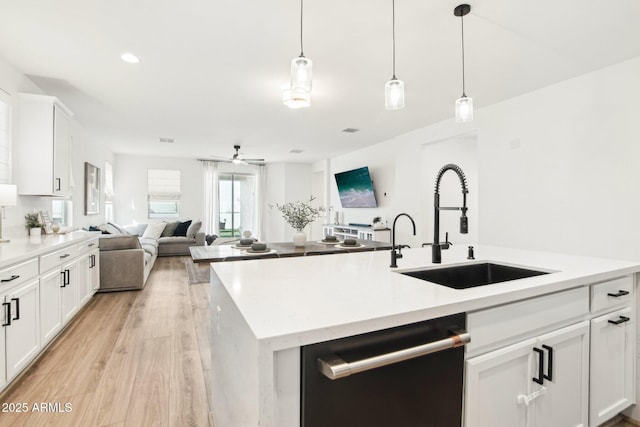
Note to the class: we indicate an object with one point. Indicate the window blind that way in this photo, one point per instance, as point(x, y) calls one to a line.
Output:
point(108, 182)
point(164, 184)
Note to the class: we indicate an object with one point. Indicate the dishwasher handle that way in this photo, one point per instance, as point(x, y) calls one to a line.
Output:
point(334, 367)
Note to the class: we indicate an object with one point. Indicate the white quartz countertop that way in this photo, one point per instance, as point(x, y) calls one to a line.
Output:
point(22, 248)
point(290, 302)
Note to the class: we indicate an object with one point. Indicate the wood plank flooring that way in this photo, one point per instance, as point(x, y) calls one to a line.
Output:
point(136, 358)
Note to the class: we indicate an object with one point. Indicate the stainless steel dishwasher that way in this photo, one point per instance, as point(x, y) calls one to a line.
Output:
point(406, 376)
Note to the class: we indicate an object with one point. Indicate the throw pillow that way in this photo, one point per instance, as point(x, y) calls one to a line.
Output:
point(170, 228)
point(181, 229)
point(108, 229)
point(121, 229)
point(154, 230)
point(193, 229)
point(94, 228)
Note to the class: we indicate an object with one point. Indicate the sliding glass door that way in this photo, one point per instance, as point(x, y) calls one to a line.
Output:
point(237, 204)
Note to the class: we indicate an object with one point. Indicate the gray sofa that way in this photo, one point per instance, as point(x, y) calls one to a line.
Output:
point(127, 254)
point(125, 261)
point(169, 245)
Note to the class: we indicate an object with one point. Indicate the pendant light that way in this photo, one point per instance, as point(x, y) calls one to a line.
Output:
point(394, 88)
point(299, 93)
point(464, 105)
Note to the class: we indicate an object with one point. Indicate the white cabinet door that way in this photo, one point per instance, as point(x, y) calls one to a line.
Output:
point(493, 383)
point(23, 330)
point(62, 152)
point(612, 364)
point(565, 357)
point(539, 382)
point(3, 346)
point(95, 270)
point(84, 278)
point(69, 290)
point(50, 306)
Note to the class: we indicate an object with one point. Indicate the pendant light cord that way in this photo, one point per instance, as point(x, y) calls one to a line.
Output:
point(301, 10)
point(393, 14)
point(462, 23)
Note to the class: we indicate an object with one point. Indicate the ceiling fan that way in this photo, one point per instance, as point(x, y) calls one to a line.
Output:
point(239, 159)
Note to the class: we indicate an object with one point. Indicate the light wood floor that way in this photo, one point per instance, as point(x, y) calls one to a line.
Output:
point(137, 358)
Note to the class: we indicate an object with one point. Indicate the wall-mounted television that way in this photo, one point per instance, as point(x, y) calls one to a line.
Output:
point(356, 189)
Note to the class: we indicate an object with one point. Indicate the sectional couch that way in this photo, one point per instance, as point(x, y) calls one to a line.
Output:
point(127, 254)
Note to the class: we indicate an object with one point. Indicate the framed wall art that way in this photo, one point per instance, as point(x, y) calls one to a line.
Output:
point(91, 189)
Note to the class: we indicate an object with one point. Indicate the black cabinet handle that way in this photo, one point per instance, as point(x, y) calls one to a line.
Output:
point(10, 279)
point(17, 300)
point(622, 319)
point(549, 374)
point(91, 244)
point(619, 294)
point(65, 256)
point(7, 313)
point(540, 378)
point(59, 182)
point(64, 278)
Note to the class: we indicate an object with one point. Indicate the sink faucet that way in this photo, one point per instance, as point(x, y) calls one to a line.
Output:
point(436, 248)
point(395, 255)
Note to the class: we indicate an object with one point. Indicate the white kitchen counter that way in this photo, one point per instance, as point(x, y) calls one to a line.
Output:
point(23, 248)
point(264, 310)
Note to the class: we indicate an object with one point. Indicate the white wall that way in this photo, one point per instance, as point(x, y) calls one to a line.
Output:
point(557, 169)
point(130, 186)
point(285, 182)
point(13, 82)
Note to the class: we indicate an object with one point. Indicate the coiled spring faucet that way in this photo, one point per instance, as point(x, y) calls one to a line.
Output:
point(436, 248)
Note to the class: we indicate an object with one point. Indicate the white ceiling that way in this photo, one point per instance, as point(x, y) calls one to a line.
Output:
point(211, 72)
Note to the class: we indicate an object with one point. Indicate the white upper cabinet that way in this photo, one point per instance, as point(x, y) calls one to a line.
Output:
point(44, 146)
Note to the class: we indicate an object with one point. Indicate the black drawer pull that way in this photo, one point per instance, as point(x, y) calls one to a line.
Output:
point(17, 300)
point(540, 378)
point(64, 278)
point(91, 244)
point(7, 313)
point(11, 279)
point(622, 319)
point(65, 256)
point(549, 374)
point(59, 184)
point(619, 294)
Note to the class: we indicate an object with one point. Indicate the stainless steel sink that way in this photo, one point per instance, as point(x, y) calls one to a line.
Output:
point(472, 275)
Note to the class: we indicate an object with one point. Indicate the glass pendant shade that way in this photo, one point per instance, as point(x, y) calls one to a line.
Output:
point(464, 109)
point(394, 94)
point(301, 68)
point(296, 98)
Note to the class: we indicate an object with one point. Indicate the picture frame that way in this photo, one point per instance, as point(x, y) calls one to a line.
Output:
point(91, 189)
point(45, 219)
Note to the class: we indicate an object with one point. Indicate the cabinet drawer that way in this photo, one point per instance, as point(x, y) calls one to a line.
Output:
point(612, 293)
point(88, 245)
point(507, 324)
point(57, 258)
point(19, 273)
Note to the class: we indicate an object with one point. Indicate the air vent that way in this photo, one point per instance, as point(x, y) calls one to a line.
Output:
point(295, 151)
point(166, 140)
point(350, 130)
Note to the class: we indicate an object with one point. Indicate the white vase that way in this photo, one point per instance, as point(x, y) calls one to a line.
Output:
point(36, 231)
point(299, 239)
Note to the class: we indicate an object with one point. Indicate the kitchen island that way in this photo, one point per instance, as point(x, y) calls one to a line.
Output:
point(263, 311)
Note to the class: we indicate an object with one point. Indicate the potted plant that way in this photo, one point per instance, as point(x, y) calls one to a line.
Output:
point(298, 215)
point(33, 224)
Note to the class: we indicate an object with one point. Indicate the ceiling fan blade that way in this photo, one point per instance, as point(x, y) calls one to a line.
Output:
point(253, 160)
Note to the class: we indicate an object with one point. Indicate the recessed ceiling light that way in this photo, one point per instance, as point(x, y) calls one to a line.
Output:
point(130, 58)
